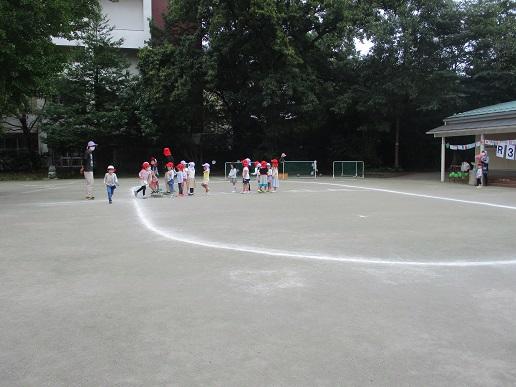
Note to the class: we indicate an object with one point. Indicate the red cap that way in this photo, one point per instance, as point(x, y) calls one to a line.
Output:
point(145, 165)
point(264, 164)
point(170, 164)
point(180, 166)
point(245, 163)
point(166, 152)
point(274, 162)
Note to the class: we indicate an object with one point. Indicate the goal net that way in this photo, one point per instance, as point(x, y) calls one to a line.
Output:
point(286, 168)
point(348, 169)
point(299, 169)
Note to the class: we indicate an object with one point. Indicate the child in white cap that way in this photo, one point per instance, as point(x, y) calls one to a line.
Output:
point(191, 178)
point(206, 177)
point(111, 182)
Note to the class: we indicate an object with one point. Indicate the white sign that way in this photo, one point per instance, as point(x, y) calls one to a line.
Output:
point(500, 150)
point(511, 152)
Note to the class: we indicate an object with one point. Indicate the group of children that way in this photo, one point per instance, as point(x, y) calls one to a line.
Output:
point(266, 175)
point(183, 174)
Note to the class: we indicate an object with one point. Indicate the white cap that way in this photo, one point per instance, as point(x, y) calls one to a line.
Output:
point(92, 144)
point(110, 167)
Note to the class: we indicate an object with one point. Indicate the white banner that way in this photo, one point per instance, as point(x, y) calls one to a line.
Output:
point(500, 151)
point(511, 150)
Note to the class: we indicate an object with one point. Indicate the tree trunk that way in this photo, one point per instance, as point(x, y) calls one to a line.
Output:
point(397, 143)
point(28, 141)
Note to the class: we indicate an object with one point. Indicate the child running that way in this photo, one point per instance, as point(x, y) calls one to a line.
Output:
point(246, 178)
point(111, 182)
point(232, 176)
point(206, 177)
point(169, 177)
point(145, 175)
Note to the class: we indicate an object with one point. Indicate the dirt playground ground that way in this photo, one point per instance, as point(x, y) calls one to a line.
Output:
point(375, 282)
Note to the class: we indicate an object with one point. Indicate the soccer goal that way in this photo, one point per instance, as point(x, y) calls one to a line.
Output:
point(299, 169)
point(348, 169)
point(286, 169)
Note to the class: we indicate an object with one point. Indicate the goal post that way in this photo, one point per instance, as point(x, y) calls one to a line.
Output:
point(345, 168)
point(296, 168)
point(299, 168)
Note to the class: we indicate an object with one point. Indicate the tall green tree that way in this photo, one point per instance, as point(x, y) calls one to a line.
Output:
point(94, 94)
point(490, 54)
point(28, 58)
point(412, 66)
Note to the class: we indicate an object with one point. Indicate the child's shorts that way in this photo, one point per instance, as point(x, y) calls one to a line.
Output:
point(233, 180)
point(246, 181)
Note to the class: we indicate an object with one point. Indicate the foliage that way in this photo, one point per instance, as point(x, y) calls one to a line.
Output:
point(28, 58)
point(94, 96)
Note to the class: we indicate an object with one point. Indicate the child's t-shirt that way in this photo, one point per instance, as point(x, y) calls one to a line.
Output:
point(169, 175)
point(110, 179)
point(479, 172)
point(206, 176)
point(245, 173)
point(233, 173)
point(179, 177)
point(144, 176)
point(264, 171)
point(191, 173)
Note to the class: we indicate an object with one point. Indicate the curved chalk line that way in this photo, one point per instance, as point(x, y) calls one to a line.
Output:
point(307, 256)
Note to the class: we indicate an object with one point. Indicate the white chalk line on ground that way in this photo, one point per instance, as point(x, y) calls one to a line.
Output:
point(49, 188)
point(444, 198)
point(168, 234)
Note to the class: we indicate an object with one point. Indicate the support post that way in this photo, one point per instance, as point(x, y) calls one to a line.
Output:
point(443, 157)
point(482, 139)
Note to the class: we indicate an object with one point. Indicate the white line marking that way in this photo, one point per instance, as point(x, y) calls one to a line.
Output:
point(48, 188)
point(304, 256)
point(487, 204)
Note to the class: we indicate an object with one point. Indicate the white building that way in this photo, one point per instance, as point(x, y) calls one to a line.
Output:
point(131, 21)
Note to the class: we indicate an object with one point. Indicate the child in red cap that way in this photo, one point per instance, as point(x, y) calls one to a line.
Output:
point(246, 177)
point(275, 175)
point(145, 178)
point(262, 187)
point(180, 178)
point(169, 177)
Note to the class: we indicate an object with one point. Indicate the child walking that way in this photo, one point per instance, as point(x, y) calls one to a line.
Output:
point(111, 182)
point(191, 178)
point(145, 175)
point(180, 178)
point(169, 177)
point(246, 178)
point(275, 175)
point(263, 171)
point(478, 175)
point(206, 177)
point(232, 176)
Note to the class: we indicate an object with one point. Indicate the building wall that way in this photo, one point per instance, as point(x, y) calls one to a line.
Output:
point(497, 165)
point(131, 21)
